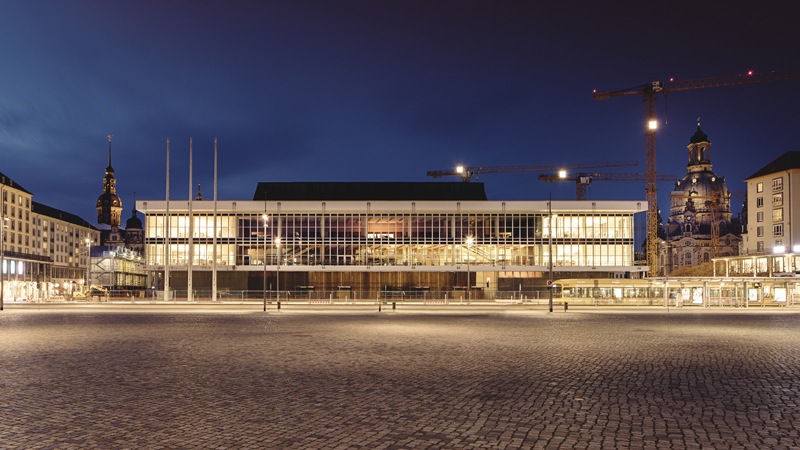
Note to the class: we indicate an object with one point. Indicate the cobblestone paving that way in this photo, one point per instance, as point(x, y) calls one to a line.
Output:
point(238, 379)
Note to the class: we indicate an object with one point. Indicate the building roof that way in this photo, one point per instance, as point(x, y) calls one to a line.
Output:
point(788, 160)
point(9, 182)
point(366, 191)
point(60, 215)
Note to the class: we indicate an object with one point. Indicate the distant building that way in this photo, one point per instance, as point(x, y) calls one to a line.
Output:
point(67, 239)
point(109, 216)
point(688, 229)
point(773, 207)
point(43, 249)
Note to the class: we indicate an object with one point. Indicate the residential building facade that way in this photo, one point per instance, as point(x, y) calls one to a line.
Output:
point(773, 220)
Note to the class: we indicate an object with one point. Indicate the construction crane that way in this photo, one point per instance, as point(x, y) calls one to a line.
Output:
point(713, 204)
point(649, 93)
point(468, 172)
point(584, 180)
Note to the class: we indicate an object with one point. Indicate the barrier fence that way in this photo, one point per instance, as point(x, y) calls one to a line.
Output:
point(429, 297)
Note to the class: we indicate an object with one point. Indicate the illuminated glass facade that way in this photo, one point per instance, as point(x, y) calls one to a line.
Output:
point(423, 235)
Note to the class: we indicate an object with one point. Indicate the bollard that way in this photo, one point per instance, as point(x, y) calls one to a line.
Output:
point(566, 305)
point(279, 305)
point(379, 306)
point(394, 306)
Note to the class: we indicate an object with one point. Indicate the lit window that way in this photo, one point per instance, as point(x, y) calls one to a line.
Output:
point(777, 215)
point(777, 184)
point(759, 187)
point(777, 199)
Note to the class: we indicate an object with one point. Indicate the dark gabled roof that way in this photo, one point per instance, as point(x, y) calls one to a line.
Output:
point(9, 182)
point(366, 191)
point(60, 215)
point(788, 160)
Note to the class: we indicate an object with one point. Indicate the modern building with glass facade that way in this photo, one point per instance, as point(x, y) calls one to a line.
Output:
point(327, 236)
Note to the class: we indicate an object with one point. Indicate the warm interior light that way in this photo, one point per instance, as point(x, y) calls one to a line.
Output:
point(652, 124)
point(779, 249)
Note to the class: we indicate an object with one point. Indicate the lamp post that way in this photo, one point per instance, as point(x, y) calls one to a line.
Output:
point(278, 250)
point(469, 244)
point(265, 217)
point(2, 250)
point(550, 254)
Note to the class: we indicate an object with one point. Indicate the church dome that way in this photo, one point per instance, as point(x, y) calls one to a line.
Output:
point(109, 199)
point(698, 136)
point(133, 222)
point(699, 188)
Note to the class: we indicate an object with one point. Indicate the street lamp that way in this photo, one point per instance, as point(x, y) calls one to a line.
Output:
point(550, 253)
point(278, 250)
point(470, 239)
point(264, 261)
point(2, 256)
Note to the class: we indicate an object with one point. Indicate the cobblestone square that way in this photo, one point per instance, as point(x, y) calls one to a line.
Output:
point(221, 377)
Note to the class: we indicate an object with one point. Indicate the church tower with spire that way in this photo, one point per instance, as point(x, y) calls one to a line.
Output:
point(689, 227)
point(109, 205)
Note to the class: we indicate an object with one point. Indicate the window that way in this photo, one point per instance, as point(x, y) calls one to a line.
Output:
point(760, 246)
point(688, 259)
point(777, 184)
point(777, 199)
point(777, 230)
point(759, 187)
point(777, 215)
point(760, 216)
point(759, 202)
point(760, 231)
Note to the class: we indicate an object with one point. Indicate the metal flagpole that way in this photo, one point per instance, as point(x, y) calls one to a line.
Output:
point(214, 239)
point(190, 294)
point(166, 237)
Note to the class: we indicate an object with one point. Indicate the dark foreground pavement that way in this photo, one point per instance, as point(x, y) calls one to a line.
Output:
point(144, 377)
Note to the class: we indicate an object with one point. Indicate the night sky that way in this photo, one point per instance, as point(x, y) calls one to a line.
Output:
point(378, 91)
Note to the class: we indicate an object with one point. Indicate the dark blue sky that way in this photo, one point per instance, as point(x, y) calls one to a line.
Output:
point(377, 90)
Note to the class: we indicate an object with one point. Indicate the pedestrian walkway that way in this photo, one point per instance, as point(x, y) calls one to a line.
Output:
point(217, 376)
